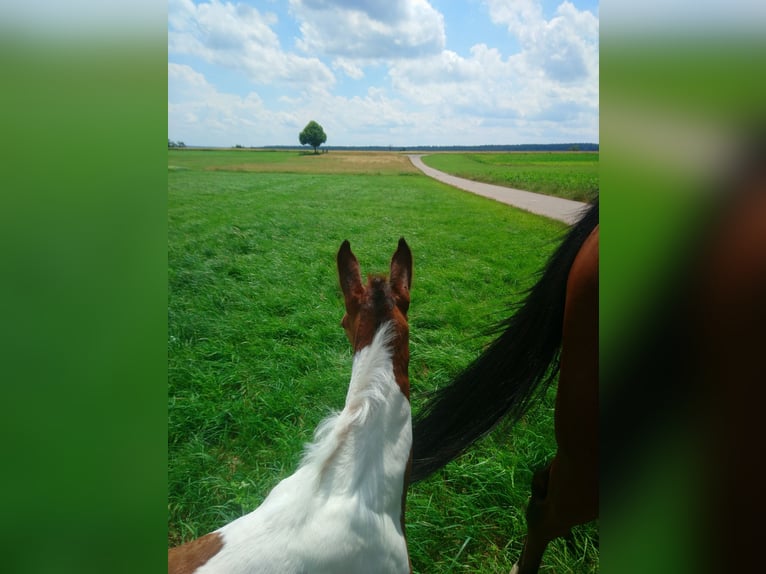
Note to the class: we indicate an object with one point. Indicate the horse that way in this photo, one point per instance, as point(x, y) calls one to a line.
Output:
point(343, 508)
point(553, 331)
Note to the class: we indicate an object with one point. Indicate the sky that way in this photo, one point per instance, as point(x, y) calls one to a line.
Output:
point(383, 72)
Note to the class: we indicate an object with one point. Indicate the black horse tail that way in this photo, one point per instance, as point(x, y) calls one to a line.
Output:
point(513, 371)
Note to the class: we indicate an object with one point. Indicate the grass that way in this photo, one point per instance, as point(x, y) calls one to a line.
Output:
point(256, 356)
point(571, 175)
point(336, 162)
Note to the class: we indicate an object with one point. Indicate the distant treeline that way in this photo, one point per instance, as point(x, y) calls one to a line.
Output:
point(418, 148)
point(427, 148)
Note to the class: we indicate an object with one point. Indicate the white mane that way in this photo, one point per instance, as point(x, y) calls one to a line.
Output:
point(372, 382)
point(341, 510)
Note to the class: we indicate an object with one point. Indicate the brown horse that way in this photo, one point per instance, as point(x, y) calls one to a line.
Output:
point(343, 509)
point(555, 330)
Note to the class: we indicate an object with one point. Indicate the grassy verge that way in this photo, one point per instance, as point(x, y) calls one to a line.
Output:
point(256, 356)
point(571, 175)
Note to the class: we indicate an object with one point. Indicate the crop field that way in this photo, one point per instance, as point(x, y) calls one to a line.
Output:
point(257, 358)
point(571, 175)
point(336, 162)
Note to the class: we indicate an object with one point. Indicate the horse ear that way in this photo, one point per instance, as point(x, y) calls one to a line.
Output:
point(348, 274)
point(401, 275)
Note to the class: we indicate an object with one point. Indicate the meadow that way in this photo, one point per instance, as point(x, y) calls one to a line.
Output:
point(564, 174)
point(257, 358)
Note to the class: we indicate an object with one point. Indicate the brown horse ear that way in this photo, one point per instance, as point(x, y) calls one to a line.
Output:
point(401, 275)
point(349, 276)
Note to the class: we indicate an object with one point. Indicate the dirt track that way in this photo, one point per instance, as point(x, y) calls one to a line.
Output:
point(557, 208)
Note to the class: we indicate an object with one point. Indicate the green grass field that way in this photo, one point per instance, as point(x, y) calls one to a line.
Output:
point(571, 175)
point(256, 356)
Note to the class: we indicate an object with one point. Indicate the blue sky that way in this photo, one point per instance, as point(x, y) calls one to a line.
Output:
point(383, 72)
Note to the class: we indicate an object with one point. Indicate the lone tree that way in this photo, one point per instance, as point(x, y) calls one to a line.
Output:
point(313, 134)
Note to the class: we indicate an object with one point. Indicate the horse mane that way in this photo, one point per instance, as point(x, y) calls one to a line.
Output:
point(510, 374)
point(372, 379)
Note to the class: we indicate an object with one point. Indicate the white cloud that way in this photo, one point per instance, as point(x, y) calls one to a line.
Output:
point(552, 81)
point(548, 91)
point(199, 114)
point(369, 29)
point(348, 67)
point(184, 81)
point(239, 37)
point(564, 47)
point(486, 84)
point(447, 78)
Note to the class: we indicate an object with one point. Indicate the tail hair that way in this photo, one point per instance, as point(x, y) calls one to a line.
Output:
point(510, 374)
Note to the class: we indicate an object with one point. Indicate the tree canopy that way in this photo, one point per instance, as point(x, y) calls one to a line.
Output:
point(313, 135)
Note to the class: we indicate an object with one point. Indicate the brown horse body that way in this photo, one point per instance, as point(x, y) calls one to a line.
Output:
point(555, 330)
point(565, 493)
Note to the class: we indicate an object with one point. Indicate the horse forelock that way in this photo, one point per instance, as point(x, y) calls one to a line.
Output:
point(380, 294)
point(376, 308)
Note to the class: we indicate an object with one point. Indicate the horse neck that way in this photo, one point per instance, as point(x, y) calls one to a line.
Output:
point(364, 450)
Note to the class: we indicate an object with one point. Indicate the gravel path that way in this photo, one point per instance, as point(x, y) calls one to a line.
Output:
point(557, 208)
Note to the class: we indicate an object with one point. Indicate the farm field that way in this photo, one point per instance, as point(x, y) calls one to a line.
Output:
point(257, 358)
point(571, 175)
point(281, 161)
